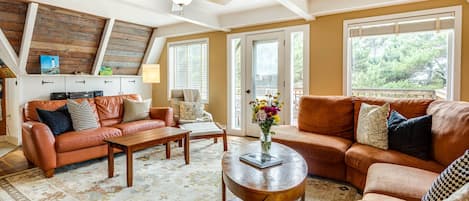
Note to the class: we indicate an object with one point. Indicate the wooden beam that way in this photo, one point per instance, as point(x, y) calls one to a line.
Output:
point(8, 54)
point(103, 46)
point(299, 7)
point(27, 37)
point(199, 17)
point(148, 51)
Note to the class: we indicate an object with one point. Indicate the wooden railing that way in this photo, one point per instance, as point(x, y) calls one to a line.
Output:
point(400, 93)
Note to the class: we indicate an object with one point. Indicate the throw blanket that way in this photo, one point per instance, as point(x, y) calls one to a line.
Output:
point(191, 95)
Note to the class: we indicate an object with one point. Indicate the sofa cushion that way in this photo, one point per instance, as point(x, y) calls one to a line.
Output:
point(372, 126)
point(379, 197)
point(140, 125)
point(410, 108)
point(75, 140)
point(361, 157)
point(410, 136)
point(59, 121)
point(398, 181)
point(320, 147)
point(450, 130)
point(111, 108)
point(136, 110)
point(82, 115)
point(450, 180)
point(327, 115)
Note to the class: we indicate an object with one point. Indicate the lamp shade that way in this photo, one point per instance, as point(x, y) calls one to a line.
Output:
point(182, 2)
point(151, 73)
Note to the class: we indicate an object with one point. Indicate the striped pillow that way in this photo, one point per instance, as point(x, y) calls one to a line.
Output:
point(82, 115)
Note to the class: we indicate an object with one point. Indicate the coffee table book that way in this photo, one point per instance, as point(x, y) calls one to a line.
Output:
point(260, 160)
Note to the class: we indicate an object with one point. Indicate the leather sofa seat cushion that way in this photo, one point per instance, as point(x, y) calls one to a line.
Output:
point(361, 157)
point(111, 108)
point(409, 108)
point(75, 140)
point(450, 128)
point(379, 197)
point(325, 148)
point(399, 181)
point(140, 125)
point(327, 115)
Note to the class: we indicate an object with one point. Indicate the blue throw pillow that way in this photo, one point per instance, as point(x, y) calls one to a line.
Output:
point(410, 136)
point(59, 121)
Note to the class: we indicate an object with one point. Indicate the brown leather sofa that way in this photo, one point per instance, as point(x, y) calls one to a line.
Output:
point(48, 152)
point(326, 132)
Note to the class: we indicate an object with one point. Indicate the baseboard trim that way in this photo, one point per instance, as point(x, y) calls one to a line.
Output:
point(10, 139)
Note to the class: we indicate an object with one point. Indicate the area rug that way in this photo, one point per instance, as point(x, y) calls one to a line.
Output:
point(6, 148)
point(155, 178)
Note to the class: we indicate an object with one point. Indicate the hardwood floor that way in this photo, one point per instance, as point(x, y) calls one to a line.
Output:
point(13, 162)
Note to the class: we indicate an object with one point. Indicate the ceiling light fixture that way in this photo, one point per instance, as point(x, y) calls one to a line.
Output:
point(182, 2)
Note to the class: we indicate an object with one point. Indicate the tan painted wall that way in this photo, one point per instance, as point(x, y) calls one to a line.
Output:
point(325, 54)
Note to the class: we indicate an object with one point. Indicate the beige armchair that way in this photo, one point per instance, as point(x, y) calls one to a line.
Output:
point(180, 97)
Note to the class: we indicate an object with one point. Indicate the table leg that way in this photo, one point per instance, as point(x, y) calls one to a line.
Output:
point(225, 141)
point(168, 150)
point(110, 161)
point(130, 170)
point(186, 148)
point(303, 197)
point(223, 188)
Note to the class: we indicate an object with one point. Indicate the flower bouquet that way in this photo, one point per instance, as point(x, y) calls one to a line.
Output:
point(266, 114)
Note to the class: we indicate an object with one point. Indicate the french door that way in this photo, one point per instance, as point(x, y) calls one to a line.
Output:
point(263, 63)
point(265, 72)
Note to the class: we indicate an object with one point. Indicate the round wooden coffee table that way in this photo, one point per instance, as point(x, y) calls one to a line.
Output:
point(282, 182)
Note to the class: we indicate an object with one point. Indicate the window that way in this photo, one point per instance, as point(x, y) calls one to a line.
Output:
point(410, 56)
point(188, 66)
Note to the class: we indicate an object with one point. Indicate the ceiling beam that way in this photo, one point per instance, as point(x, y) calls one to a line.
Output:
point(198, 17)
point(321, 7)
point(8, 54)
point(180, 29)
point(98, 61)
point(27, 37)
point(299, 7)
point(257, 16)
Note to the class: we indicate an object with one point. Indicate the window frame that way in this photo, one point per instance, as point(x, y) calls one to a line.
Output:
point(170, 71)
point(454, 71)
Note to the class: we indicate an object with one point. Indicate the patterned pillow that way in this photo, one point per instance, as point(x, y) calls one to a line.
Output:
point(82, 114)
point(190, 110)
point(136, 110)
point(175, 105)
point(454, 177)
point(372, 126)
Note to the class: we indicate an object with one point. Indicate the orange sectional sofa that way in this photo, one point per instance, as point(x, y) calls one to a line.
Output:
point(48, 152)
point(326, 138)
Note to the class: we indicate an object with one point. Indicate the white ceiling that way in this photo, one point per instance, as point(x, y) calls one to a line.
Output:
point(202, 15)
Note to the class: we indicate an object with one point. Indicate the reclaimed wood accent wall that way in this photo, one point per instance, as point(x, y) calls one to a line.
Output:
point(126, 48)
point(12, 17)
point(73, 36)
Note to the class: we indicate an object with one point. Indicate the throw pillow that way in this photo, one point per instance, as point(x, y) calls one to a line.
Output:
point(410, 136)
point(59, 121)
point(82, 114)
point(372, 126)
point(136, 110)
point(175, 105)
point(454, 177)
point(190, 110)
point(460, 195)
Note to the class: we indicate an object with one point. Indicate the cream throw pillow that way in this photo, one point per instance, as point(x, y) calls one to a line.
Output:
point(372, 126)
point(136, 110)
point(190, 110)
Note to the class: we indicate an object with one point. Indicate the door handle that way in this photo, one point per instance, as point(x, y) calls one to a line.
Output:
point(248, 91)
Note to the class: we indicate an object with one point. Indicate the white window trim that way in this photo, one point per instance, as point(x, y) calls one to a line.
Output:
point(170, 71)
point(454, 71)
point(242, 36)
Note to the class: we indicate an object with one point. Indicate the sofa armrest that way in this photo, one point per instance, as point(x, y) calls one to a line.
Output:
point(39, 144)
point(162, 113)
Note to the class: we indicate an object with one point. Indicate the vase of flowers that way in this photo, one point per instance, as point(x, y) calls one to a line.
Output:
point(265, 112)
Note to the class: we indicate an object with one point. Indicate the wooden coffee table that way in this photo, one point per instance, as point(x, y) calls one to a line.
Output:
point(142, 140)
point(284, 182)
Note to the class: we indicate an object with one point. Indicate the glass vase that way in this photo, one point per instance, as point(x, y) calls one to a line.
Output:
point(266, 142)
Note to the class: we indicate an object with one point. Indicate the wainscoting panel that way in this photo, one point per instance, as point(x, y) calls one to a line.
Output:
point(39, 88)
point(110, 86)
point(73, 36)
point(12, 17)
point(126, 48)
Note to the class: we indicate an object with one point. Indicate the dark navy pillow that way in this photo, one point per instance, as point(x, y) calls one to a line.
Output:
point(410, 136)
point(59, 121)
